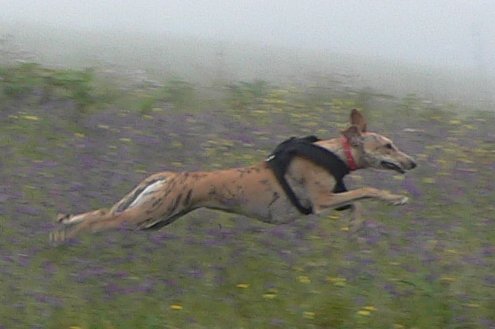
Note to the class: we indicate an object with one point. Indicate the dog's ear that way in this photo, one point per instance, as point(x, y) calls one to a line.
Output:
point(353, 135)
point(358, 120)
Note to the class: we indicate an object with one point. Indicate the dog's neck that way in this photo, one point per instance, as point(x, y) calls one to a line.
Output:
point(338, 146)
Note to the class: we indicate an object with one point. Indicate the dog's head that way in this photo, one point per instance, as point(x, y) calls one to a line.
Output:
point(373, 150)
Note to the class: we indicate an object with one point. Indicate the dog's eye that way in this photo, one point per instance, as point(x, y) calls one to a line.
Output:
point(389, 146)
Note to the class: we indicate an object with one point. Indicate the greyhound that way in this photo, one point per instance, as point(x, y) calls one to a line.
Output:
point(255, 191)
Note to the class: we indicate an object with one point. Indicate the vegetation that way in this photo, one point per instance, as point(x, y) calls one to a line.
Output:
point(73, 141)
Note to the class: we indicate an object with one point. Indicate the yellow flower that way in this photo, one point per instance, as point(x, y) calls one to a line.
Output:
point(271, 294)
point(370, 308)
point(309, 315)
point(176, 307)
point(31, 117)
point(243, 285)
point(472, 305)
point(448, 279)
point(177, 144)
point(363, 312)
point(428, 180)
point(337, 281)
point(304, 279)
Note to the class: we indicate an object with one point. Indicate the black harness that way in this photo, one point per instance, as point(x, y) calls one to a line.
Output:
point(281, 157)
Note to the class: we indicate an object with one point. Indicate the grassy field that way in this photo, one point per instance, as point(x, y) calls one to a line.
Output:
point(73, 140)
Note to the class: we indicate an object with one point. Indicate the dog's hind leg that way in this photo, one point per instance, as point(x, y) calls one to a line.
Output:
point(150, 202)
point(71, 225)
point(96, 221)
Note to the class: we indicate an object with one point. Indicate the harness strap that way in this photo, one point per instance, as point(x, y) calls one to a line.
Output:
point(281, 157)
point(290, 193)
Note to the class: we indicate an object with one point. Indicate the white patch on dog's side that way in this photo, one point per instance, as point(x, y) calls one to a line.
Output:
point(152, 188)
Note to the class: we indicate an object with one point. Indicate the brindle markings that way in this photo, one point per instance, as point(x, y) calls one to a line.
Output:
point(146, 221)
point(157, 202)
point(275, 197)
point(265, 182)
point(197, 175)
point(187, 200)
point(244, 171)
point(229, 193)
point(159, 224)
point(175, 204)
point(183, 177)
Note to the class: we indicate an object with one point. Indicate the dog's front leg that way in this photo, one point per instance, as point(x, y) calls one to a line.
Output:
point(356, 217)
point(324, 201)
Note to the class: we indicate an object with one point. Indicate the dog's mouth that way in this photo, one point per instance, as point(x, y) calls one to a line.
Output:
point(392, 166)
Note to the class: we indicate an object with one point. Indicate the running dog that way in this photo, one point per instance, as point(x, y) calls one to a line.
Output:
point(256, 191)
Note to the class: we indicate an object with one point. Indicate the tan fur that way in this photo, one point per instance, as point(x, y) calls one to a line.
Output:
point(251, 191)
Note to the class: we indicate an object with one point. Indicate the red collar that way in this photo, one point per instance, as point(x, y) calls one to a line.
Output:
point(348, 154)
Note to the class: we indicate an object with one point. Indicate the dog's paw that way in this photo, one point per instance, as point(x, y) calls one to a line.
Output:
point(399, 200)
point(64, 232)
point(63, 218)
point(357, 219)
point(58, 236)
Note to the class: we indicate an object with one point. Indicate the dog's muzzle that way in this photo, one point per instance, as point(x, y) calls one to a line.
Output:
point(393, 166)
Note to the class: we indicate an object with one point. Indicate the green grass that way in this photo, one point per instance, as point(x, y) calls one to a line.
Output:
point(428, 264)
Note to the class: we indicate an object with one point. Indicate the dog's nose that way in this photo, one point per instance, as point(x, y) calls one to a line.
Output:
point(413, 165)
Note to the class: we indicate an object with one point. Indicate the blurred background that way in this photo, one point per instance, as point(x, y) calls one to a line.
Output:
point(437, 48)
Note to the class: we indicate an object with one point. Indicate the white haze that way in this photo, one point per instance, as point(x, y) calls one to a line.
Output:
point(447, 34)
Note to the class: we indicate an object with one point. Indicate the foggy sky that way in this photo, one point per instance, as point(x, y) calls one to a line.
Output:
point(436, 32)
